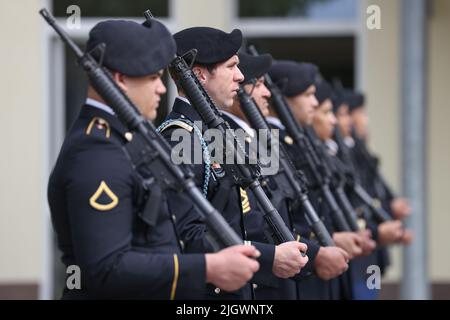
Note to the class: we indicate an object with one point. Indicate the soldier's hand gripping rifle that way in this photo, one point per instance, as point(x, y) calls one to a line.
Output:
point(320, 175)
point(148, 151)
point(289, 182)
point(244, 174)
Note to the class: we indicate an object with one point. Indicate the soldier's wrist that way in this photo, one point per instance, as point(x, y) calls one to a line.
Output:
point(210, 266)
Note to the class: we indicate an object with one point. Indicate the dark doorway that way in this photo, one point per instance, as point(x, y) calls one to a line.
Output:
point(335, 56)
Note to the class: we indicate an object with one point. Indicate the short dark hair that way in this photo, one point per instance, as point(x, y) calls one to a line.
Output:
point(210, 67)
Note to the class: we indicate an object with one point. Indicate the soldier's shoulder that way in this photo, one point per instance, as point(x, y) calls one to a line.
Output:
point(93, 141)
point(94, 131)
point(176, 123)
point(175, 130)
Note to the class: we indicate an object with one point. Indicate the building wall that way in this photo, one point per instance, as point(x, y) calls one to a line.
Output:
point(382, 82)
point(439, 141)
point(192, 13)
point(22, 164)
point(381, 79)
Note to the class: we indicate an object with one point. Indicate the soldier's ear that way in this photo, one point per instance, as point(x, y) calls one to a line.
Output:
point(200, 73)
point(120, 79)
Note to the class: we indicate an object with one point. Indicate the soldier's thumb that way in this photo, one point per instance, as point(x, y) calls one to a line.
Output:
point(301, 246)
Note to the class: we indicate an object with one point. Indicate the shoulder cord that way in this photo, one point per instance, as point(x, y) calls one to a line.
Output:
point(205, 151)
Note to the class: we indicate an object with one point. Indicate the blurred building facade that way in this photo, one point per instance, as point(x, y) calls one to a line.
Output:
point(42, 90)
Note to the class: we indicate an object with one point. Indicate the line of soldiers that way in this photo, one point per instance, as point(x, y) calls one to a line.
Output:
point(133, 243)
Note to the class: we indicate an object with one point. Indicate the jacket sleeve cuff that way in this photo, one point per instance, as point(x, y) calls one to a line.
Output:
point(373, 227)
point(265, 276)
point(189, 276)
point(313, 250)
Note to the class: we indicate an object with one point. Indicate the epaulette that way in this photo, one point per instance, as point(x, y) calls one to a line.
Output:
point(99, 124)
point(177, 123)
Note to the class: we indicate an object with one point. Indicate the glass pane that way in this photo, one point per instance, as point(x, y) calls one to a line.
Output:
point(311, 9)
point(337, 65)
point(113, 8)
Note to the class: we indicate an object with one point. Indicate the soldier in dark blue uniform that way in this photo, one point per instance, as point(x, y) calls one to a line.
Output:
point(397, 205)
point(297, 83)
point(385, 233)
point(98, 202)
point(216, 68)
point(324, 124)
point(352, 121)
point(253, 69)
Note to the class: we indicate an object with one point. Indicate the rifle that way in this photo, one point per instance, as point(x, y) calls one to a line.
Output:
point(374, 205)
point(290, 182)
point(297, 133)
point(148, 150)
point(339, 181)
point(244, 174)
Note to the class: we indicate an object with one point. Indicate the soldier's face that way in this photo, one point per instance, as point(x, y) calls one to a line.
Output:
point(324, 120)
point(303, 106)
point(261, 94)
point(223, 82)
point(344, 121)
point(145, 92)
point(360, 122)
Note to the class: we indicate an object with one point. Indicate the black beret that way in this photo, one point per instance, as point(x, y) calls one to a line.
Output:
point(292, 77)
point(213, 45)
point(254, 67)
point(323, 91)
point(354, 99)
point(338, 99)
point(131, 48)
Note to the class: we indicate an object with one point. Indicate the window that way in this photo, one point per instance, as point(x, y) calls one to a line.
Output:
point(113, 8)
point(334, 55)
point(324, 32)
point(309, 9)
